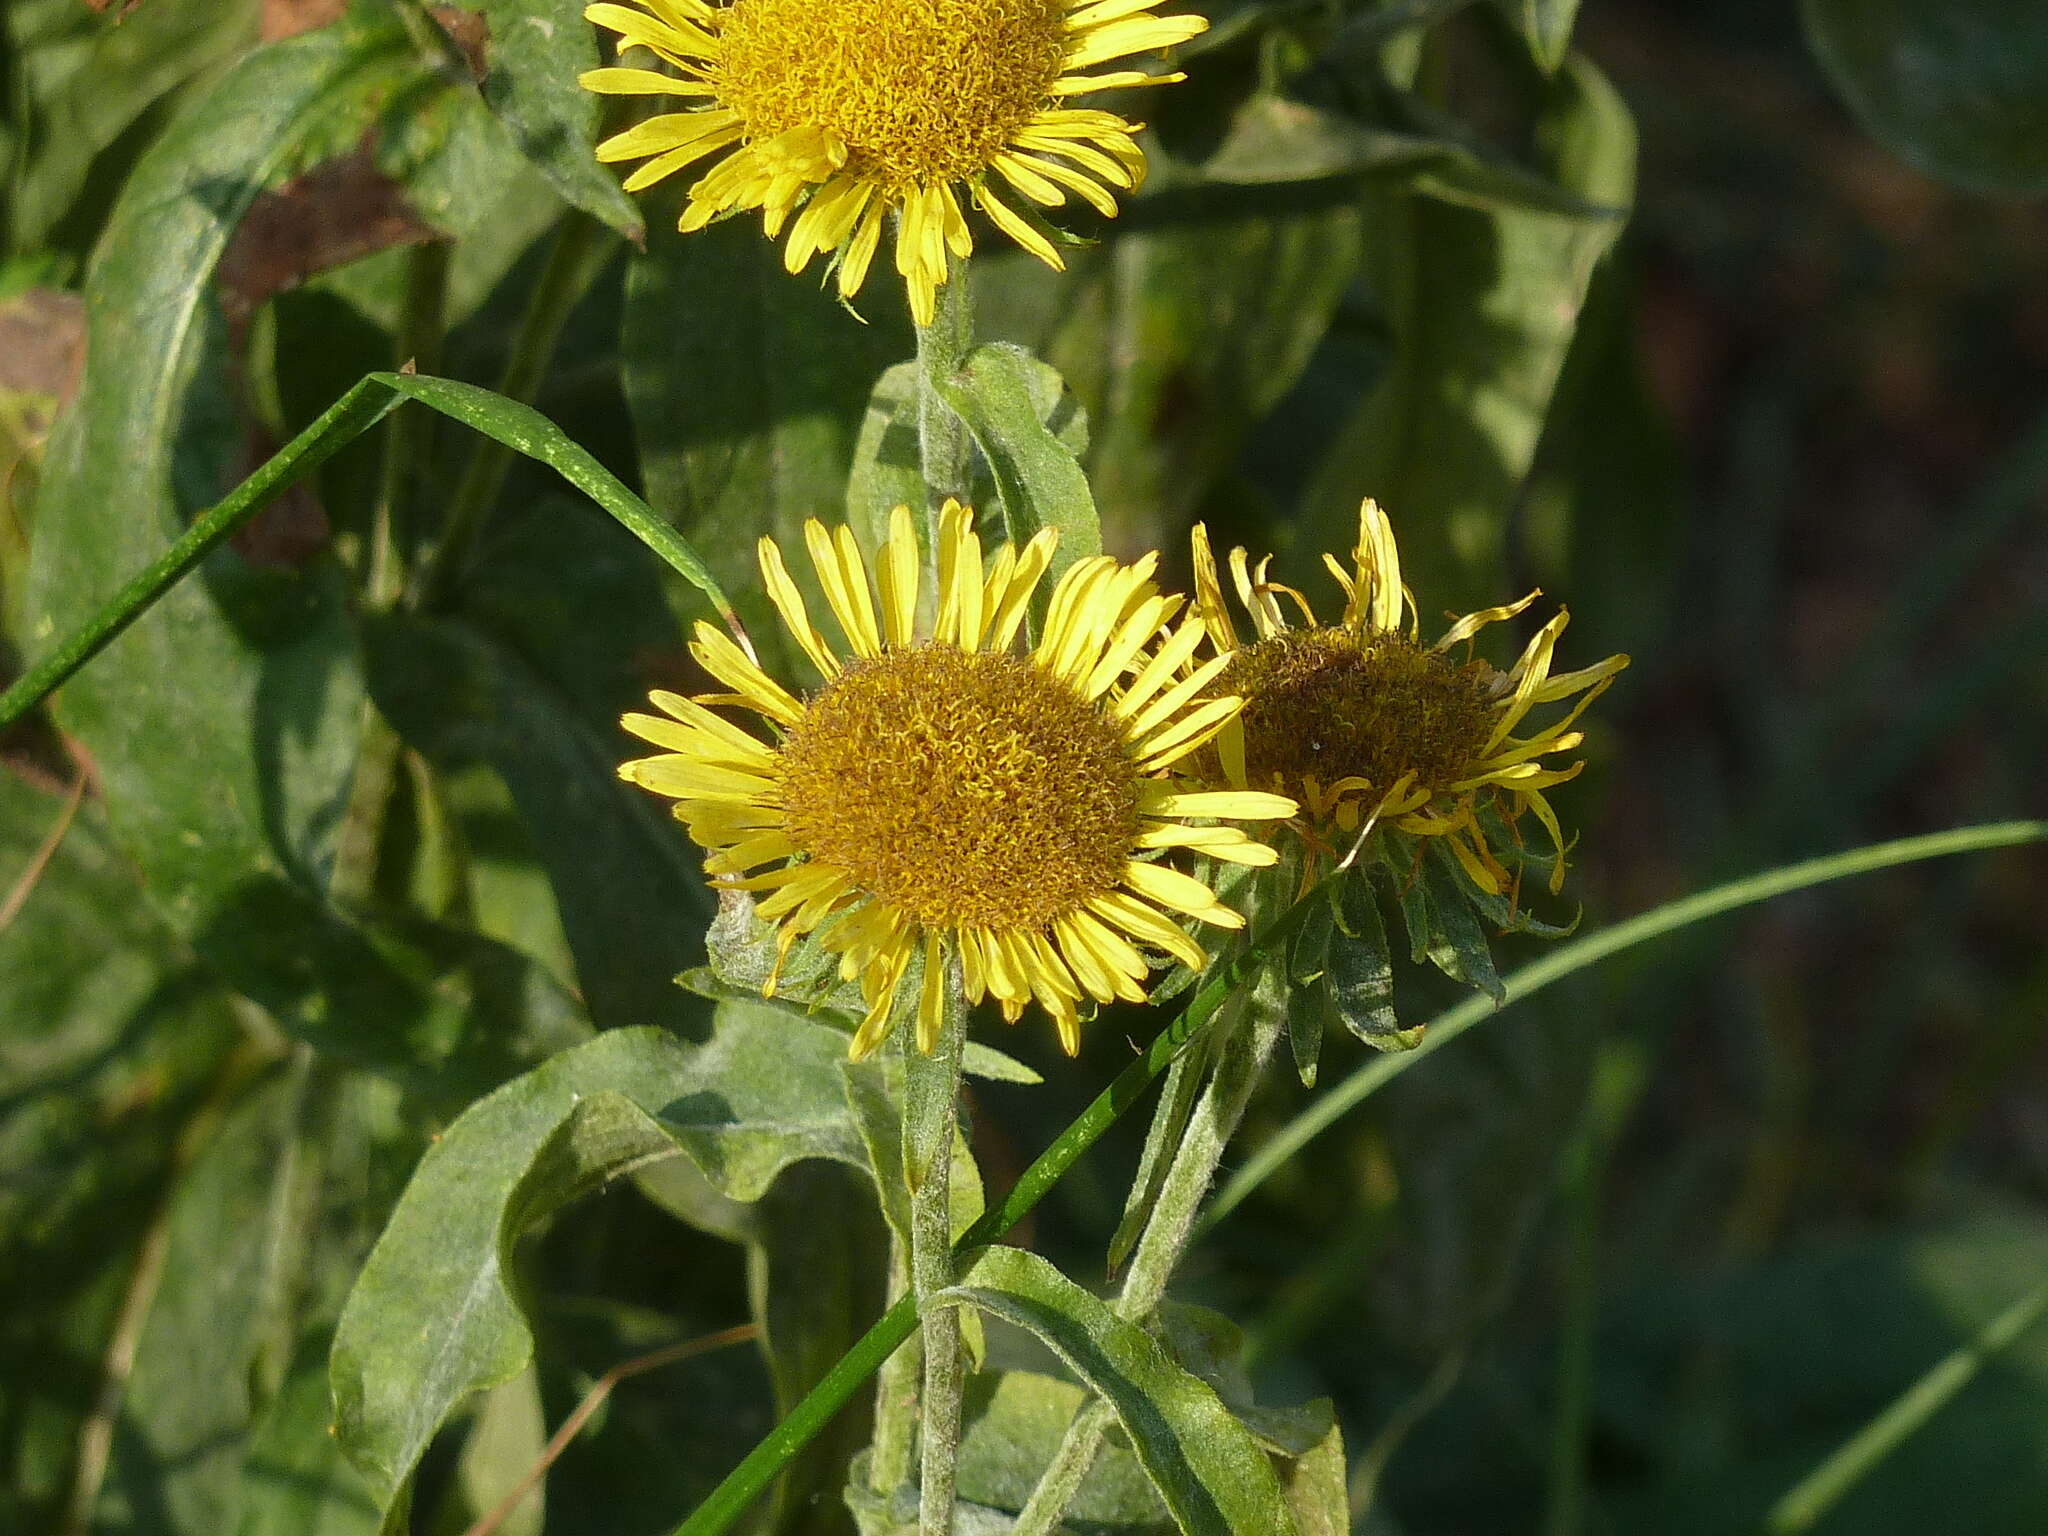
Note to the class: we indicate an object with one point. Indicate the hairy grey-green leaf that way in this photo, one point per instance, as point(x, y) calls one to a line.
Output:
point(1211, 1473)
point(433, 1318)
point(999, 392)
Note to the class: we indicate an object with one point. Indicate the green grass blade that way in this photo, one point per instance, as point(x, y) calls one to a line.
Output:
point(354, 413)
point(517, 426)
point(1815, 1494)
point(1575, 956)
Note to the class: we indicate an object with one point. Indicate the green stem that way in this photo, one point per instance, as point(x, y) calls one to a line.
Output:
point(581, 248)
point(931, 1118)
point(1240, 1061)
point(731, 1498)
point(942, 438)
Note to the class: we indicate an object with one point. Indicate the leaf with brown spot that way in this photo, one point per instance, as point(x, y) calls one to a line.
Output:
point(288, 18)
point(335, 214)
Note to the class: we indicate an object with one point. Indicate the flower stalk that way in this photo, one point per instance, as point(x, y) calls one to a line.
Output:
point(931, 1117)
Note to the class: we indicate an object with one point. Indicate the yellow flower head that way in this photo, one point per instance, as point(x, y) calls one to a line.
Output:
point(837, 112)
point(946, 791)
point(1365, 725)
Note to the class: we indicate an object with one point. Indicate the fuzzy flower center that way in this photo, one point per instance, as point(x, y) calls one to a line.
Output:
point(965, 788)
point(919, 91)
point(1333, 703)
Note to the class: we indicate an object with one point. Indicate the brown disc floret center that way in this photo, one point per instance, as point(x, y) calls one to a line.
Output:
point(965, 788)
point(1334, 703)
point(919, 91)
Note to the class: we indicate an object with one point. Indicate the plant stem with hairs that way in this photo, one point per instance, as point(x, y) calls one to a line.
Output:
point(931, 1116)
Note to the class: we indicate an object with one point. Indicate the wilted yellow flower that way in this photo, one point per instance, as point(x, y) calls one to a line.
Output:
point(837, 112)
point(945, 792)
point(1362, 723)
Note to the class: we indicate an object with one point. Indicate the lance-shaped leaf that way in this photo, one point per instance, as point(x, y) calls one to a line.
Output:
point(433, 1317)
point(1213, 1475)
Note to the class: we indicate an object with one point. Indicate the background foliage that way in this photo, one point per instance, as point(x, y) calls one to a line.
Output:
point(1722, 324)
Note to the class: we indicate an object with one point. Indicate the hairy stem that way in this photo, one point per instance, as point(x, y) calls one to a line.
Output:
point(931, 1116)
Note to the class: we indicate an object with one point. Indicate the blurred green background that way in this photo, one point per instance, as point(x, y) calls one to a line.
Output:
point(1727, 325)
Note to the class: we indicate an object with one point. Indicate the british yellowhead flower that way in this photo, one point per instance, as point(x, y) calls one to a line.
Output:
point(1367, 726)
point(949, 794)
point(828, 115)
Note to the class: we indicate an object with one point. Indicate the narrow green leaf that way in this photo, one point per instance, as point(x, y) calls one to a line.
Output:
point(1563, 961)
point(998, 393)
point(1361, 970)
point(1953, 86)
point(1546, 26)
point(1457, 944)
point(1212, 1475)
point(433, 1318)
point(533, 51)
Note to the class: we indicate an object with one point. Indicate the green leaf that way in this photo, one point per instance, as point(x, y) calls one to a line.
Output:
point(248, 1261)
point(1953, 86)
point(1003, 393)
point(1457, 944)
point(1546, 26)
point(112, 1041)
point(432, 1318)
point(1212, 1346)
point(252, 673)
point(748, 387)
point(532, 54)
point(1480, 304)
point(886, 472)
point(1212, 1475)
point(1308, 965)
point(84, 81)
point(1361, 971)
point(1012, 1424)
point(1274, 140)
